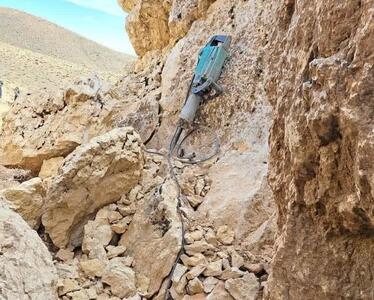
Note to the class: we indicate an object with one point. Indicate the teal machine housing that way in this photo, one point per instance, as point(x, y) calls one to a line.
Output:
point(206, 74)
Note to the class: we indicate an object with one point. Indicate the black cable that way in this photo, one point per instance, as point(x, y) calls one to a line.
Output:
point(172, 145)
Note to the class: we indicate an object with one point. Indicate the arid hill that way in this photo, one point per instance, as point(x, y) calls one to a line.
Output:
point(26, 31)
point(38, 55)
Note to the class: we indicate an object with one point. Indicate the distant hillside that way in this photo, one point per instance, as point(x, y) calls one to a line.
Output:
point(36, 54)
point(23, 30)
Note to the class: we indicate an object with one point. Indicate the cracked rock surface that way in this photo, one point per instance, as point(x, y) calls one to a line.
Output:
point(27, 270)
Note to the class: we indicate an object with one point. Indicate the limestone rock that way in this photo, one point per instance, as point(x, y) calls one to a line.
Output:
point(225, 235)
point(120, 278)
point(147, 25)
point(192, 261)
point(93, 267)
point(321, 166)
point(194, 236)
point(64, 255)
point(27, 268)
point(231, 273)
point(97, 235)
point(12, 177)
point(112, 160)
point(58, 122)
point(209, 284)
point(155, 229)
point(183, 13)
point(27, 199)
point(127, 5)
point(195, 297)
point(236, 260)
point(198, 247)
point(195, 272)
point(50, 167)
point(179, 272)
point(78, 295)
point(214, 268)
point(152, 25)
point(219, 293)
point(244, 288)
point(114, 251)
point(195, 286)
point(68, 285)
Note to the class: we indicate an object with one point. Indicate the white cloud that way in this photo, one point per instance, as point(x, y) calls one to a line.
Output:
point(107, 6)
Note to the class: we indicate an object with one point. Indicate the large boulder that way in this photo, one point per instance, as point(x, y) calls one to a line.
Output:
point(153, 25)
point(26, 267)
point(147, 25)
point(58, 122)
point(27, 199)
point(154, 237)
point(321, 85)
point(94, 175)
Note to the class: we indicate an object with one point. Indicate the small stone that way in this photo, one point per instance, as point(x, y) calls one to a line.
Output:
point(133, 193)
point(67, 271)
point(195, 286)
point(214, 269)
point(245, 288)
point(223, 254)
point(125, 261)
point(68, 285)
point(50, 167)
point(194, 297)
point(93, 267)
point(78, 295)
point(211, 238)
point(135, 297)
point(121, 226)
point(194, 236)
point(114, 251)
point(219, 293)
point(181, 285)
point(231, 273)
point(195, 272)
point(91, 292)
point(236, 260)
point(198, 247)
point(87, 283)
point(226, 264)
point(195, 201)
point(114, 216)
point(99, 287)
point(128, 210)
point(264, 277)
point(103, 297)
point(192, 261)
point(179, 272)
point(199, 187)
point(209, 284)
point(64, 255)
point(254, 268)
point(225, 235)
point(120, 278)
point(97, 235)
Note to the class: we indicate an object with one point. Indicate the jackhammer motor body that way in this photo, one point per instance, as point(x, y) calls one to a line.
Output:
point(207, 72)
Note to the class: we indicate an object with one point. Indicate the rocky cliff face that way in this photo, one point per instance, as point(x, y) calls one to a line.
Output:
point(104, 200)
point(321, 83)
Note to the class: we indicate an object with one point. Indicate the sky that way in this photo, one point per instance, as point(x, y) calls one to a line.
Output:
point(98, 20)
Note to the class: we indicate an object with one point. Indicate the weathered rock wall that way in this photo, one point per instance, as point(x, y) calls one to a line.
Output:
point(321, 85)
